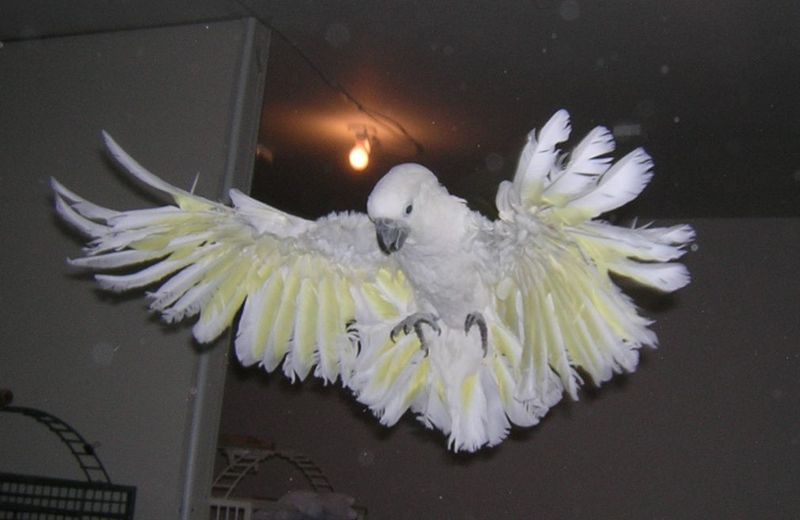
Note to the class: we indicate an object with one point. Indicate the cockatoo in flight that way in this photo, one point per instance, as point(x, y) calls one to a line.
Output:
point(421, 304)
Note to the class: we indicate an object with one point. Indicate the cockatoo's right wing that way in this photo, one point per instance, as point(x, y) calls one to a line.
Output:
point(556, 303)
point(302, 284)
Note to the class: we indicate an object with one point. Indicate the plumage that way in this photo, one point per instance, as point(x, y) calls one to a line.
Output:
point(421, 305)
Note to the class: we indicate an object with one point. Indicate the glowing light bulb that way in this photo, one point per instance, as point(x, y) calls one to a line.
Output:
point(365, 138)
point(359, 155)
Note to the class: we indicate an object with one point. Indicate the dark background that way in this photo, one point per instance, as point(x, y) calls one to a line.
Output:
point(711, 86)
point(710, 89)
point(708, 425)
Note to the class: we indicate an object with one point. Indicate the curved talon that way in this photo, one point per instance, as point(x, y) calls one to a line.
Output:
point(415, 322)
point(476, 318)
point(353, 334)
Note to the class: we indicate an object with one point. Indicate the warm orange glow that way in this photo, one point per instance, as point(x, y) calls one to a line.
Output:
point(359, 156)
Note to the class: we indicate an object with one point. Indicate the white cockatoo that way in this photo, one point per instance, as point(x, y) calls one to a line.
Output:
point(421, 304)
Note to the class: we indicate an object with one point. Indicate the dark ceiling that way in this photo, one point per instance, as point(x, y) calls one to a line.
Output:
point(710, 89)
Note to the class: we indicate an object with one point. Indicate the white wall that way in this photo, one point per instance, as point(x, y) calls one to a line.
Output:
point(183, 100)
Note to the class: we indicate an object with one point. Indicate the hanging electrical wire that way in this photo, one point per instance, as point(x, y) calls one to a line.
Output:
point(376, 116)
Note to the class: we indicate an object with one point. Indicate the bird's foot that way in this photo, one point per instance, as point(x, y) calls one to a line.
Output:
point(473, 319)
point(414, 322)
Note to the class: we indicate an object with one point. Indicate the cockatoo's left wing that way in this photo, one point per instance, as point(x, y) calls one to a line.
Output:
point(555, 296)
point(299, 283)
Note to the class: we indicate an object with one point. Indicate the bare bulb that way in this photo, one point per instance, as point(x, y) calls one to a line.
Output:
point(359, 157)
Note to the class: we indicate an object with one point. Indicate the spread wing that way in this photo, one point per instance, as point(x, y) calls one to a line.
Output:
point(556, 295)
point(300, 284)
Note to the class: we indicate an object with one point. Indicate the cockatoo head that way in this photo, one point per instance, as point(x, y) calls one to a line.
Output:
point(399, 203)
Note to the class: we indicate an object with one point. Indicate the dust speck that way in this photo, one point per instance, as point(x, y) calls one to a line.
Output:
point(366, 458)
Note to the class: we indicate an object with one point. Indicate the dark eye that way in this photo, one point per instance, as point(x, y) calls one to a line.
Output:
point(409, 208)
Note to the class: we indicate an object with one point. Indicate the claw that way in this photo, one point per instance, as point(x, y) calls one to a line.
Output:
point(476, 318)
point(415, 322)
point(351, 328)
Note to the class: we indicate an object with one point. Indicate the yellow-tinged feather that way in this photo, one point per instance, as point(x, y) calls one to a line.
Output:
point(505, 288)
point(417, 382)
point(557, 200)
point(161, 239)
point(541, 361)
point(602, 336)
point(394, 286)
point(503, 379)
point(396, 360)
point(328, 327)
point(218, 312)
point(468, 388)
point(265, 264)
point(184, 251)
point(383, 276)
point(232, 284)
point(377, 303)
point(387, 346)
point(151, 243)
point(282, 330)
point(577, 352)
point(228, 256)
point(557, 349)
point(607, 311)
point(532, 331)
point(305, 328)
point(188, 202)
point(598, 357)
point(347, 306)
point(403, 285)
point(572, 215)
point(505, 344)
point(569, 304)
point(512, 317)
point(272, 289)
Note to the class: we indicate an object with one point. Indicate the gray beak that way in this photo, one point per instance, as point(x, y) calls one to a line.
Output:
point(392, 234)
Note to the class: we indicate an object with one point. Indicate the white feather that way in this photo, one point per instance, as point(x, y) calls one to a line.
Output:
point(183, 281)
point(145, 218)
point(145, 276)
point(78, 221)
point(266, 219)
point(136, 169)
point(254, 325)
point(587, 161)
point(81, 205)
point(680, 235)
point(116, 241)
point(622, 183)
point(558, 351)
point(117, 259)
point(329, 327)
point(651, 244)
point(217, 312)
point(192, 300)
point(665, 277)
point(539, 156)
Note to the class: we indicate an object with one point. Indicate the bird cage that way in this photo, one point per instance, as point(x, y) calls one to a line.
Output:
point(245, 456)
point(45, 498)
